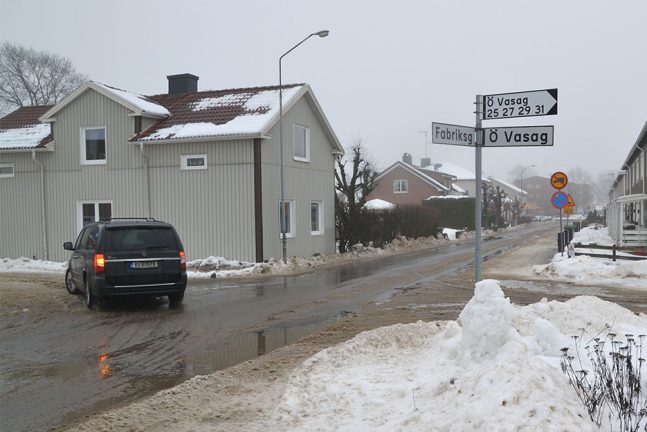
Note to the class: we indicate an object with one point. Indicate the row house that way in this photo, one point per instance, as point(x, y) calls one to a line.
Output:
point(627, 206)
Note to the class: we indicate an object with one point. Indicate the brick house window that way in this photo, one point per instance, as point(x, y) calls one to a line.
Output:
point(400, 186)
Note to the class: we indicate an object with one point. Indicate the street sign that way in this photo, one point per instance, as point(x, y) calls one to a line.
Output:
point(559, 200)
point(442, 133)
point(558, 180)
point(568, 210)
point(570, 202)
point(518, 136)
point(520, 104)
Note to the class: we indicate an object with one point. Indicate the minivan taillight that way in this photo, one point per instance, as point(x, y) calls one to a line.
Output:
point(182, 260)
point(99, 263)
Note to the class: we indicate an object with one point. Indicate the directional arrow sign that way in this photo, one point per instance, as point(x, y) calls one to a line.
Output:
point(519, 136)
point(442, 133)
point(521, 104)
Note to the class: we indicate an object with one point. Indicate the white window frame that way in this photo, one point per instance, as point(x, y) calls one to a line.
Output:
point(400, 182)
point(84, 160)
point(291, 218)
point(79, 211)
point(184, 162)
point(320, 215)
point(307, 130)
point(8, 165)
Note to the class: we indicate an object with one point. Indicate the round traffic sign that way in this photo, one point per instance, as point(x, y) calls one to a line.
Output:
point(558, 180)
point(559, 200)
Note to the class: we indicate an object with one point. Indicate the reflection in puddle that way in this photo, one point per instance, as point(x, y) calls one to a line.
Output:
point(104, 368)
point(246, 346)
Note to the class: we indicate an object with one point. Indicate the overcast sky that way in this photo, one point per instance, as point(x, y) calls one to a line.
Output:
point(388, 68)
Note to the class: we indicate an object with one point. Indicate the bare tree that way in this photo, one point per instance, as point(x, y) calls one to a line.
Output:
point(354, 180)
point(580, 186)
point(30, 77)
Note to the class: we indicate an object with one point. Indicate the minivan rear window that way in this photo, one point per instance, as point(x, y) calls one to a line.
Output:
point(140, 238)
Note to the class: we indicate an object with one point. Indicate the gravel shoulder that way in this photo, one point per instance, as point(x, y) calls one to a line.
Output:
point(243, 397)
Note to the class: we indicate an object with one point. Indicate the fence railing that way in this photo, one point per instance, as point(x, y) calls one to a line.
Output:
point(614, 249)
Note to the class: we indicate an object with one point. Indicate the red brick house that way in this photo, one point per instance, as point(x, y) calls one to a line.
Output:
point(405, 184)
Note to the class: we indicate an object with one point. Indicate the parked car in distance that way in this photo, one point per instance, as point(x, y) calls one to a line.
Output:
point(125, 257)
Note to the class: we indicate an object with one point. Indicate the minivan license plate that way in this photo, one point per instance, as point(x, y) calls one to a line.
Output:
point(143, 264)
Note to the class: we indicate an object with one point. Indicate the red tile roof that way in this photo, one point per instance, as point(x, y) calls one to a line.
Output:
point(21, 129)
point(217, 107)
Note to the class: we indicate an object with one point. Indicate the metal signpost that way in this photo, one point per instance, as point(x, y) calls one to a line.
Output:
point(493, 107)
point(559, 180)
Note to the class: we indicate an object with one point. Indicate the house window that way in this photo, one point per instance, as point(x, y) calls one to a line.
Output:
point(289, 211)
point(316, 217)
point(138, 124)
point(301, 143)
point(6, 170)
point(194, 162)
point(400, 186)
point(93, 146)
point(93, 211)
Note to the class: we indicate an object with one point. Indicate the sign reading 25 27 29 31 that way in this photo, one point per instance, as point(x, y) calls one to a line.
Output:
point(520, 104)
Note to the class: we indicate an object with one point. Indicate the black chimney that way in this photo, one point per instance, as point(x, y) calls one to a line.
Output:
point(182, 83)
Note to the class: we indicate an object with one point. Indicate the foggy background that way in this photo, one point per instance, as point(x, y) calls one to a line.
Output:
point(387, 70)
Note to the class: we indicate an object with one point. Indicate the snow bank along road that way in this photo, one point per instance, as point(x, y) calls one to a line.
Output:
point(61, 362)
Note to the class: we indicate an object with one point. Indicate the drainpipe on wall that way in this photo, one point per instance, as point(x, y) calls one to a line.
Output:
point(43, 215)
point(148, 180)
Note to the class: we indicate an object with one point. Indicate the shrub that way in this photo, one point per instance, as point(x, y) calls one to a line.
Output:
point(614, 386)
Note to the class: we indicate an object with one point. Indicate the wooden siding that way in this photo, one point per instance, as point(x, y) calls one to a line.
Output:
point(304, 182)
point(212, 209)
point(20, 208)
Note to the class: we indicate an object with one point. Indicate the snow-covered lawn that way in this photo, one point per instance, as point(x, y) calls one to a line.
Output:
point(495, 368)
point(585, 270)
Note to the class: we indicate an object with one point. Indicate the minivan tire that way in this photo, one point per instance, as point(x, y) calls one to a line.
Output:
point(69, 283)
point(90, 300)
point(174, 300)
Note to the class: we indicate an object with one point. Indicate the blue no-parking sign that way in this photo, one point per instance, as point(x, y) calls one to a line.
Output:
point(559, 200)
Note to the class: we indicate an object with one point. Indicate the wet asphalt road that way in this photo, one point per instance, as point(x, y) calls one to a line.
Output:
point(74, 363)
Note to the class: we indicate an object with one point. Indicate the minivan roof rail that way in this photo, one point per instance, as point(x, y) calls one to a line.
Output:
point(147, 219)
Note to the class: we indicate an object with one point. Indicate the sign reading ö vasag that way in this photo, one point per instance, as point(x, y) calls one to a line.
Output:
point(520, 104)
point(518, 136)
point(443, 133)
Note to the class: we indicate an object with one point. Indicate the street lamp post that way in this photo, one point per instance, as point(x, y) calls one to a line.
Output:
point(521, 180)
point(322, 33)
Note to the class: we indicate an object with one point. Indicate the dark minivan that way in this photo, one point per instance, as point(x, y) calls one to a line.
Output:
point(122, 257)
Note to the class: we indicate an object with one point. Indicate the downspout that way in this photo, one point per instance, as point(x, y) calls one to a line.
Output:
point(148, 179)
point(42, 204)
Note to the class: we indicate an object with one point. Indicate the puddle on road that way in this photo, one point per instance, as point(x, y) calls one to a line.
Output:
point(238, 348)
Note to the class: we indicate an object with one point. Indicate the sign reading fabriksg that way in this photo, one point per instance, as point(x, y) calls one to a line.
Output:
point(492, 107)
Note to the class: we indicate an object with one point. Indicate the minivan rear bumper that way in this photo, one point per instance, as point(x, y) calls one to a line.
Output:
point(104, 289)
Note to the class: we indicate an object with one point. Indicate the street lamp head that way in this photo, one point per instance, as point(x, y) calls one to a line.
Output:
point(322, 33)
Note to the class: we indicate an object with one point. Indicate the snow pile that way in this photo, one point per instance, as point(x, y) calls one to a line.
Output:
point(495, 368)
point(593, 234)
point(378, 204)
point(28, 265)
point(450, 233)
point(586, 270)
point(137, 100)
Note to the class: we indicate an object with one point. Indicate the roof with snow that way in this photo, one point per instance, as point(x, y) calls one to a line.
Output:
point(508, 185)
point(415, 171)
point(449, 168)
point(221, 113)
point(21, 129)
point(138, 104)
